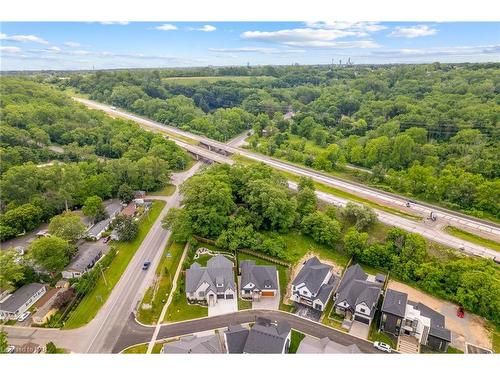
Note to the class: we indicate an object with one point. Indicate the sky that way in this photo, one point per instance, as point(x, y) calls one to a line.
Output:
point(111, 45)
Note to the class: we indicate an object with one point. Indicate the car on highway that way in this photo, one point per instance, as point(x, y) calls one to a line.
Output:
point(146, 265)
point(10, 349)
point(113, 107)
point(382, 346)
point(23, 316)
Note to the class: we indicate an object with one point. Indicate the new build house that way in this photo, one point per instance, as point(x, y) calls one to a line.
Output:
point(264, 337)
point(193, 344)
point(403, 317)
point(21, 300)
point(313, 285)
point(211, 283)
point(258, 281)
point(356, 298)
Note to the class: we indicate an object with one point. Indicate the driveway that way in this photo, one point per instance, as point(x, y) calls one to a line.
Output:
point(269, 303)
point(223, 306)
point(359, 329)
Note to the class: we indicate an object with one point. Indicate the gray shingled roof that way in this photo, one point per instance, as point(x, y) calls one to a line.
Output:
point(265, 337)
point(438, 328)
point(312, 345)
point(113, 207)
point(312, 274)
point(218, 269)
point(84, 259)
point(355, 289)
point(193, 344)
point(19, 297)
point(395, 302)
point(263, 277)
point(98, 227)
point(324, 292)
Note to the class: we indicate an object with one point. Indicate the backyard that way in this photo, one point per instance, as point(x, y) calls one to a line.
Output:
point(92, 302)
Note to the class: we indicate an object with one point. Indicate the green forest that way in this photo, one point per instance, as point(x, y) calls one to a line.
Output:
point(56, 154)
point(427, 131)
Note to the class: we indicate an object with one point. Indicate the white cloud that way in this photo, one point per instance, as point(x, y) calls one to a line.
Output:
point(263, 50)
point(72, 44)
point(10, 49)
point(80, 52)
point(166, 27)
point(361, 28)
point(442, 51)
point(205, 28)
point(54, 49)
point(413, 31)
point(311, 38)
point(23, 38)
point(114, 23)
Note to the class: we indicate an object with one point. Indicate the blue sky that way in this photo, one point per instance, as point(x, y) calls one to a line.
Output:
point(84, 45)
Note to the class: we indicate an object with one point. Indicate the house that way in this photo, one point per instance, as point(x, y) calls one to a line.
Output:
point(313, 285)
point(356, 297)
point(312, 345)
point(403, 317)
point(129, 210)
point(46, 311)
point(264, 337)
point(21, 300)
point(192, 344)
point(95, 232)
point(258, 281)
point(84, 260)
point(113, 208)
point(211, 283)
point(139, 194)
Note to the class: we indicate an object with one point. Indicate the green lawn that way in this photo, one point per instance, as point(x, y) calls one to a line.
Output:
point(296, 338)
point(157, 294)
point(244, 304)
point(473, 238)
point(298, 245)
point(180, 309)
point(166, 191)
point(143, 349)
point(374, 335)
point(92, 302)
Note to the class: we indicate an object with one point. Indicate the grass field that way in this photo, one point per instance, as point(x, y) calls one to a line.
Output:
point(166, 191)
point(212, 79)
point(295, 339)
point(473, 238)
point(92, 302)
point(157, 294)
point(179, 309)
point(143, 349)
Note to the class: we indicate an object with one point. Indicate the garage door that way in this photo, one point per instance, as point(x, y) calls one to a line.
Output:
point(268, 293)
point(220, 296)
point(362, 319)
point(229, 296)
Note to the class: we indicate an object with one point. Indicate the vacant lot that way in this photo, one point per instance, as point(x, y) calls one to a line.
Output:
point(470, 329)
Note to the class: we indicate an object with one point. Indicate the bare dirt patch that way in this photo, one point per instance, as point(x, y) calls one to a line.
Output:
point(469, 329)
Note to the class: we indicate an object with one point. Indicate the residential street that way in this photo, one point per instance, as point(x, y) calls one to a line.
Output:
point(135, 333)
point(100, 335)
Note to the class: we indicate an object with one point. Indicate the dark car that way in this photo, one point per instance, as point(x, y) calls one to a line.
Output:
point(146, 265)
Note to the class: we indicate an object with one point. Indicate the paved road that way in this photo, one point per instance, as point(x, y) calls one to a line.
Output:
point(424, 228)
point(100, 335)
point(135, 333)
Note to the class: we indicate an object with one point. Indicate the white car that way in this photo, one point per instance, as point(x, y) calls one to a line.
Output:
point(382, 346)
point(10, 349)
point(113, 107)
point(23, 316)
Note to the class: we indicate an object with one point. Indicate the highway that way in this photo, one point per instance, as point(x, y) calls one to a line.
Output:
point(135, 333)
point(425, 228)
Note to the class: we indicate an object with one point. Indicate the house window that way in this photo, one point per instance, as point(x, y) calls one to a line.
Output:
point(362, 310)
point(201, 294)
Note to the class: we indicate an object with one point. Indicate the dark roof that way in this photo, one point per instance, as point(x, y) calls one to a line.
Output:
point(193, 344)
point(263, 277)
point(84, 258)
point(264, 336)
point(312, 274)
point(218, 269)
point(19, 297)
point(438, 328)
point(236, 337)
point(395, 303)
point(326, 290)
point(355, 289)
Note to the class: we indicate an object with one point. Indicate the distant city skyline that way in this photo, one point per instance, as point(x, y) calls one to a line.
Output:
point(113, 45)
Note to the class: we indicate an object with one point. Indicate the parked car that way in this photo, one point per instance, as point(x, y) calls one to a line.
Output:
point(106, 240)
point(382, 346)
point(23, 316)
point(10, 349)
point(146, 265)
point(460, 312)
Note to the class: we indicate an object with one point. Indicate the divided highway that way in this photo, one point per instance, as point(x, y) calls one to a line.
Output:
point(425, 229)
